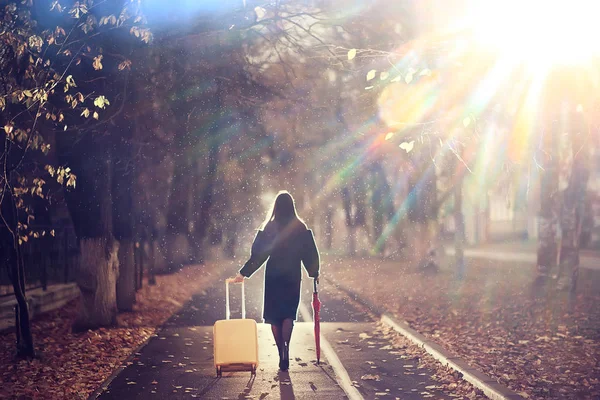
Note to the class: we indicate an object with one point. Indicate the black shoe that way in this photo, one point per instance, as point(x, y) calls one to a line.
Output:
point(284, 362)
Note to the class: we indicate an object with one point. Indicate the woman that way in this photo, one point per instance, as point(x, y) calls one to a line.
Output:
point(285, 241)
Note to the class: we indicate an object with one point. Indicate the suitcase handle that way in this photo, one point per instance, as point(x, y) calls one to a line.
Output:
point(227, 310)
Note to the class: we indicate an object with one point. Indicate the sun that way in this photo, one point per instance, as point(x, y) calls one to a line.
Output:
point(540, 33)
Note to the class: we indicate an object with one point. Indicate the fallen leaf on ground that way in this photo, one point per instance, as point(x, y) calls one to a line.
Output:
point(369, 377)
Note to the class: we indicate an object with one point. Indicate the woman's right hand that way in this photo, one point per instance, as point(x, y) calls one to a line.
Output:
point(239, 278)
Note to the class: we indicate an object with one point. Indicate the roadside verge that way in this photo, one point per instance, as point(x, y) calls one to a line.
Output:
point(490, 387)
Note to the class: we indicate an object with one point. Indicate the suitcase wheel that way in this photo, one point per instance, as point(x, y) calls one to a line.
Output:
point(219, 372)
point(253, 371)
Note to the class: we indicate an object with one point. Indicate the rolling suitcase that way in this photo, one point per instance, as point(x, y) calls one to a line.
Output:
point(235, 340)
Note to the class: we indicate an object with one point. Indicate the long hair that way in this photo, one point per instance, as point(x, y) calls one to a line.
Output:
point(283, 211)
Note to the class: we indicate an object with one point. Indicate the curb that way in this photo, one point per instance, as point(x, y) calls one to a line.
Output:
point(106, 383)
point(487, 385)
point(338, 368)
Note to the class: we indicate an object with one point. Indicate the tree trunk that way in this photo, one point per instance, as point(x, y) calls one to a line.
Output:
point(459, 230)
point(362, 233)
point(97, 280)
point(328, 226)
point(12, 259)
point(123, 187)
point(347, 204)
point(151, 262)
point(139, 249)
point(178, 246)
point(203, 193)
point(360, 201)
point(422, 213)
point(22, 324)
point(572, 212)
point(90, 206)
point(549, 204)
point(230, 246)
point(126, 282)
point(383, 206)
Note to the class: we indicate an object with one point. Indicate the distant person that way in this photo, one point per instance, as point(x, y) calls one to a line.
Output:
point(285, 241)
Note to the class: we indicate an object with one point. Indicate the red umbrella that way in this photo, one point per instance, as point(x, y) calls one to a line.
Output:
point(316, 310)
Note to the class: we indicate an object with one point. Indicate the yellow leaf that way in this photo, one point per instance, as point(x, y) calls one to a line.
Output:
point(71, 81)
point(36, 42)
point(408, 78)
point(369, 88)
point(8, 128)
point(2, 103)
point(407, 146)
point(146, 36)
point(351, 54)
point(135, 31)
point(466, 121)
point(101, 101)
point(86, 112)
point(260, 12)
point(125, 64)
point(97, 64)
point(384, 75)
point(397, 79)
point(52, 232)
point(71, 180)
point(95, 115)
point(371, 74)
point(389, 135)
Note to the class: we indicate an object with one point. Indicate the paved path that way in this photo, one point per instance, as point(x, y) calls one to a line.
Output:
point(178, 362)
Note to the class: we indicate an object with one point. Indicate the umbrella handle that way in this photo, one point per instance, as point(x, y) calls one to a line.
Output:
point(315, 285)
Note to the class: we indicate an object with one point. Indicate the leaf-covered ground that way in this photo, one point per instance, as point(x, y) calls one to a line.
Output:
point(447, 381)
point(536, 341)
point(72, 366)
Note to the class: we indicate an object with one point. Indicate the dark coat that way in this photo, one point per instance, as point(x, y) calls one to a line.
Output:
point(284, 249)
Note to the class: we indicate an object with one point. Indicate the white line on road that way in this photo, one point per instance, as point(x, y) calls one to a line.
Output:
point(334, 361)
